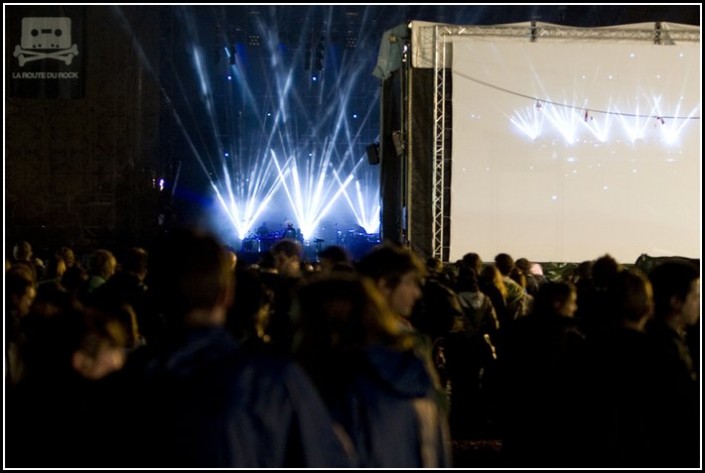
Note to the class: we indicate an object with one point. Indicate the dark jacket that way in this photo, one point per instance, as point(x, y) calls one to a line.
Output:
point(197, 400)
point(676, 413)
point(387, 404)
point(544, 388)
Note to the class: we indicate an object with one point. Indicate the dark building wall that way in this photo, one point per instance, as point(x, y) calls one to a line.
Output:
point(80, 172)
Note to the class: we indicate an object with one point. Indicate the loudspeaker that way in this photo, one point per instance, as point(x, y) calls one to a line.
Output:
point(373, 153)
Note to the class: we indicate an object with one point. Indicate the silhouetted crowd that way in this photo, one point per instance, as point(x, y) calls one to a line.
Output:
point(179, 356)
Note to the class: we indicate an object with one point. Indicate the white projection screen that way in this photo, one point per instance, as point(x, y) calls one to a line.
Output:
point(563, 151)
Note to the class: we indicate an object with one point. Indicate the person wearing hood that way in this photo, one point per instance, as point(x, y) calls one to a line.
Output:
point(364, 365)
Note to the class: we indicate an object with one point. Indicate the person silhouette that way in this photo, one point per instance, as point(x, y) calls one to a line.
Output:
point(262, 230)
point(290, 231)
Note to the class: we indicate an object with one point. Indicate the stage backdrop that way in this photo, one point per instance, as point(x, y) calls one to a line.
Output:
point(567, 150)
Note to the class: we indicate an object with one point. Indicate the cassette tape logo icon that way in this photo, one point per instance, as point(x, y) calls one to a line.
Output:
point(45, 38)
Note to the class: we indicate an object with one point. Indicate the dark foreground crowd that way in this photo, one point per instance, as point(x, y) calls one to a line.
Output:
point(179, 357)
